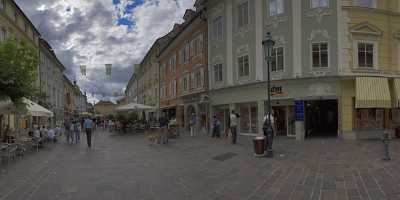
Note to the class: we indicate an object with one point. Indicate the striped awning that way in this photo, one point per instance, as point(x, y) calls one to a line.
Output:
point(372, 92)
point(396, 93)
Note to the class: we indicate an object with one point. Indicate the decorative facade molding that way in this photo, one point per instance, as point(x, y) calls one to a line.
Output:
point(274, 21)
point(217, 10)
point(279, 40)
point(366, 28)
point(217, 59)
point(323, 33)
point(243, 31)
point(319, 13)
point(242, 50)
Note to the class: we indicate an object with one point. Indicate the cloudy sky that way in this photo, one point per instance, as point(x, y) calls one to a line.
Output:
point(98, 32)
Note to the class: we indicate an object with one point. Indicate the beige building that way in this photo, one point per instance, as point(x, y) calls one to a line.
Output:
point(14, 24)
point(104, 108)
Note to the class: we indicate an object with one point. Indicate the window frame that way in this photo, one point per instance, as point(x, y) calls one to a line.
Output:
point(243, 22)
point(276, 13)
point(375, 54)
point(220, 73)
point(218, 28)
point(244, 76)
point(319, 6)
point(320, 57)
point(276, 59)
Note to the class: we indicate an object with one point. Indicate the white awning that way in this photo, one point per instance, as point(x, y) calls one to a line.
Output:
point(36, 110)
point(135, 107)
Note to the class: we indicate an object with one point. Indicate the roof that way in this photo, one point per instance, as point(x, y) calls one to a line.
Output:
point(23, 14)
point(66, 79)
point(102, 102)
point(183, 27)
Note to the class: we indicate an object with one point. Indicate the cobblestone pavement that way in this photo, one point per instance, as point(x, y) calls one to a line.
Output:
point(127, 167)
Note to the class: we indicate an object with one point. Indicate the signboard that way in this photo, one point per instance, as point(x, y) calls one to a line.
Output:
point(299, 109)
point(277, 91)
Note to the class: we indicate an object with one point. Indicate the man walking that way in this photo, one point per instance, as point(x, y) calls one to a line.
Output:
point(88, 125)
point(233, 124)
point(68, 134)
point(192, 124)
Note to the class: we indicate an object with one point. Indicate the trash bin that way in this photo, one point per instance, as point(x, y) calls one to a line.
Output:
point(259, 145)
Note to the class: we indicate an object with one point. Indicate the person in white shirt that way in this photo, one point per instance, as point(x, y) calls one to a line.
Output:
point(51, 135)
point(234, 125)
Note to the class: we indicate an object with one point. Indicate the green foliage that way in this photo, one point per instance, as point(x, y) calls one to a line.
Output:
point(18, 70)
point(110, 117)
point(133, 116)
point(121, 117)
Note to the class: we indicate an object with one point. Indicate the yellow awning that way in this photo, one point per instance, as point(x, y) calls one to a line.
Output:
point(372, 92)
point(396, 93)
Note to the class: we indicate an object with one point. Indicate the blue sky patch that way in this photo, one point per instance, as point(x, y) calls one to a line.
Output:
point(128, 10)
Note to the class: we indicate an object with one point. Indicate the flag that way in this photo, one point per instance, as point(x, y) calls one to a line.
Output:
point(83, 70)
point(108, 70)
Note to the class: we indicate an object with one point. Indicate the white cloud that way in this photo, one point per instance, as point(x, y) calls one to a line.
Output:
point(86, 32)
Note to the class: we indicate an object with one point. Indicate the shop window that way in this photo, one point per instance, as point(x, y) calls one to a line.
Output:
point(243, 10)
point(275, 7)
point(320, 55)
point(319, 3)
point(248, 118)
point(370, 119)
point(277, 59)
point(365, 54)
point(243, 63)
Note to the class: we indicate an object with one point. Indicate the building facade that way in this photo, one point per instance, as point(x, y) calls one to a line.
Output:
point(325, 54)
point(69, 96)
point(183, 72)
point(51, 82)
point(14, 24)
point(104, 108)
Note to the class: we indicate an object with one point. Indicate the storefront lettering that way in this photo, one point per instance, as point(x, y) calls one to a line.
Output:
point(277, 91)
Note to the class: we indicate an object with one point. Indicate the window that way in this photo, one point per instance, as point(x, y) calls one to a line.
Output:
point(248, 118)
point(365, 54)
point(275, 7)
point(185, 53)
point(3, 34)
point(218, 28)
point(243, 14)
point(15, 16)
point(197, 45)
point(162, 72)
point(319, 3)
point(277, 59)
point(173, 88)
point(172, 64)
point(365, 3)
point(185, 84)
point(243, 63)
point(197, 78)
point(320, 54)
point(218, 72)
point(2, 4)
point(182, 56)
point(370, 119)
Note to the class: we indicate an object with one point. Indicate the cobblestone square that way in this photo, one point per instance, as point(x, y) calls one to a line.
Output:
point(127, 167)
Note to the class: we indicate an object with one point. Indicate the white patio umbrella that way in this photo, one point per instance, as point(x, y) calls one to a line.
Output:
point(134, 107)
point(7, 106)
point(36, 110)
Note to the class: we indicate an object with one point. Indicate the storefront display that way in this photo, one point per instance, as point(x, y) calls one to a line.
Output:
point(370, 119)
point(248, 118)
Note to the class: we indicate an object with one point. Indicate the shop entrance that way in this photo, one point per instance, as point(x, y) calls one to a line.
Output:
point(280, 120)
point(321, 118)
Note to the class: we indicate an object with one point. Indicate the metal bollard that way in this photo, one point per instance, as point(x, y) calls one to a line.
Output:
point(386, 139)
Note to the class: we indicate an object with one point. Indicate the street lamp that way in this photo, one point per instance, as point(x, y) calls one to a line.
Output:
point(268, 45)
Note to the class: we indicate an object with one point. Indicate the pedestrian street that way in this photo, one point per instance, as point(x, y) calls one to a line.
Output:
point(200, 167)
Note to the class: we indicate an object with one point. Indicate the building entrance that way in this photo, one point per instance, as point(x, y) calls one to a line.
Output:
point(321, 118)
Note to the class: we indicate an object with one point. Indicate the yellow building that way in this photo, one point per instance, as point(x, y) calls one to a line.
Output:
point(14, 24)
point(69, 91)
point(370, 38)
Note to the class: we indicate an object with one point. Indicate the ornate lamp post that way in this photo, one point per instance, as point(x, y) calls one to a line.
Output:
point(268, 45)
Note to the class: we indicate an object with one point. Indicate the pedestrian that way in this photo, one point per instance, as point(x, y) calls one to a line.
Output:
point(77, 132)
point(51, 136)
point(68, 127)
point(233, 125)
point(163, 129)
point(192, 124)
point(88, 125)
point(216, 127)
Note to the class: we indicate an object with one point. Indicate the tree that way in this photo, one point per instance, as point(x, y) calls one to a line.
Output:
point(18, 70)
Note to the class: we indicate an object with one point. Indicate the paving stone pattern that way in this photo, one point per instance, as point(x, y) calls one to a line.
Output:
point(201, 168)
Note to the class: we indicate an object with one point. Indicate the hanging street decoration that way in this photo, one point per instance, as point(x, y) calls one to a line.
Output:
point(108, 70)
point(83, 70)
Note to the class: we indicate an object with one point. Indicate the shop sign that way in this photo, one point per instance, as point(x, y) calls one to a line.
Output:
point(299, 109)
point(277, 91)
